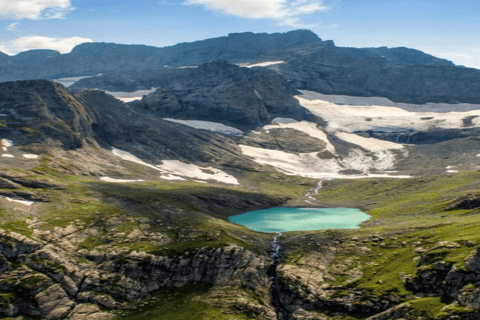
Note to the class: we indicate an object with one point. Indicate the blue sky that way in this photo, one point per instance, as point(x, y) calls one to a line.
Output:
point(448, 29)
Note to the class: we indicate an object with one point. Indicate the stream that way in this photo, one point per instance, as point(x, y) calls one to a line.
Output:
point(275, 251)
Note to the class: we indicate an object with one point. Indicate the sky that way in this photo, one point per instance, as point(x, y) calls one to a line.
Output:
point(444, 28)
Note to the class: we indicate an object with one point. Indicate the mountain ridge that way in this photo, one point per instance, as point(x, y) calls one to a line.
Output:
point(94, 58)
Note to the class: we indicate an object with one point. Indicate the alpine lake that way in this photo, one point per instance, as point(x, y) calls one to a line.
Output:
point(276, 220)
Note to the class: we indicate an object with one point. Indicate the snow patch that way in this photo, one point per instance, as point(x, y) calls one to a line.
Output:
point(452, 171)
point(208, 125)
point(27, 203)
point(108, 179)
point(173, 168)
point(130, 96)
point(130, 157)
point(284, 120)
point(196, 172)
point(3, 115)
point(30, 156)
point(311, 166)
point(6, 155)
point(7, 143)
point(261, 64)
point(371, 144)
point(303, 164)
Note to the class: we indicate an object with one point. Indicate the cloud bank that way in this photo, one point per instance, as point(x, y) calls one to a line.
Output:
point(285, 12)
point(63, 45)
point(34, 9)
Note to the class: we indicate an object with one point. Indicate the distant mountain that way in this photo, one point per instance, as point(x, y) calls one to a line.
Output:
point(402, 75)
point(309, 63)
point(95, 58)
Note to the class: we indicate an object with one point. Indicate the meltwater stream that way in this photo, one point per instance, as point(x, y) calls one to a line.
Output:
point(278, 220)
point(275, 250)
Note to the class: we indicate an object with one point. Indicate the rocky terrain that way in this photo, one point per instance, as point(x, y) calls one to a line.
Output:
point(113, 210)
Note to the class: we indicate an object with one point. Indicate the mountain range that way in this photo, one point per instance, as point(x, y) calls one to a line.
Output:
point(115, 192)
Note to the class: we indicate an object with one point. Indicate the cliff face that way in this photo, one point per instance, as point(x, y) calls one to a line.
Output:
point(47, 115)
point(363, 72)
point(52, 284)
point(225, 93)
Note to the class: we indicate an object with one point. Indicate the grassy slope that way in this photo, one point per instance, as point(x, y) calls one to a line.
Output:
point(407, 215)
point(163, 207)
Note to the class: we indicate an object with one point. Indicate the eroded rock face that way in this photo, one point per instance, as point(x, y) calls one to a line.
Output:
point(472, 262)
point(51, 285)
point(222, 92)
point(46, 116)
point(284, 139)
point(364, 72)
point(470, 201)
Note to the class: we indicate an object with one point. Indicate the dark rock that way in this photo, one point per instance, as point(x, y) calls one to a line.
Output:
point(225, 93)
point(469, 201)
point(288, 140)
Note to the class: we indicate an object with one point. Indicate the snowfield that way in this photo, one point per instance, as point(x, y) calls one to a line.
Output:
point(365, 113)
point(177, 170)
point(130, 96)
point(209, 125)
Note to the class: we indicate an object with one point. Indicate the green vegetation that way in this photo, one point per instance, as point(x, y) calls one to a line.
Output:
point(409, 230)
point(178, 304)
point(17, 226)
point(409, 223)
point(277, 184)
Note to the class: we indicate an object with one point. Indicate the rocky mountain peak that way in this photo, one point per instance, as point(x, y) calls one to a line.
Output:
point(295, 37)
point(38, 54)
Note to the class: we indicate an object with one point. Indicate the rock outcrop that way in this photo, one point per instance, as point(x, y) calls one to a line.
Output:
point(51, 284)
point(363, 72)
point(52, 120)
point(226, 93)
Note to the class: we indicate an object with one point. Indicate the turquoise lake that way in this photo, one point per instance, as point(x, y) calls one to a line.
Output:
point(300, 219)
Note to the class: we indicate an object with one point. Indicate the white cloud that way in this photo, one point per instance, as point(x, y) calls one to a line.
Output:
point(34, 9)
point(285, 12)
point(13, 26)
point(63, 45)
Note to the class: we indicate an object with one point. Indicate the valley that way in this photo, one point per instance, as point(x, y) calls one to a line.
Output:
point(116, 190)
